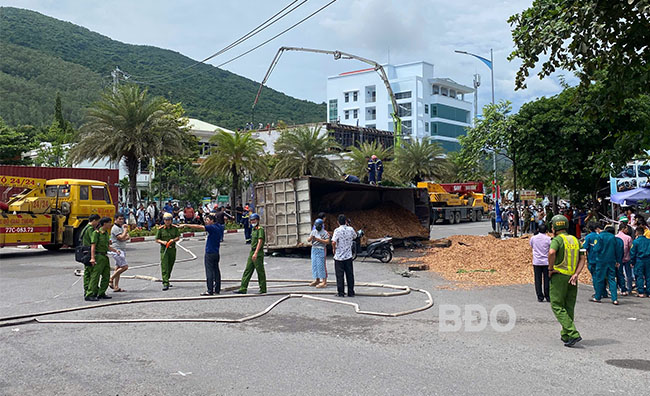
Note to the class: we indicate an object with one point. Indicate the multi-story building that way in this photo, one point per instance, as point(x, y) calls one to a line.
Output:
point(429, 107)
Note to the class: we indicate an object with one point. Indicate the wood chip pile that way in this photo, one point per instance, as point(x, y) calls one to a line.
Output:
point(383, 220)
point(485, 261)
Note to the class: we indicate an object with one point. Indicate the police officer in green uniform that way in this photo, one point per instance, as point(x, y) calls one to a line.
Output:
point(167, 236)
point(565, 262)
point(86, 234)
point(99, 246)
point(255, 258)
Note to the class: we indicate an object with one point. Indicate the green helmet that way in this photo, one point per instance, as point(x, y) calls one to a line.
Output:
point(560, 222)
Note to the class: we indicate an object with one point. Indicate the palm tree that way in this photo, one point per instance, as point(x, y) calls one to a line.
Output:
point(131, 125)
point(235, 155)
point(420, 160)
point(357, 164)
point(302, 152)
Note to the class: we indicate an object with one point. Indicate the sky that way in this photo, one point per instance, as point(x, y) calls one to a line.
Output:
point(397, 30)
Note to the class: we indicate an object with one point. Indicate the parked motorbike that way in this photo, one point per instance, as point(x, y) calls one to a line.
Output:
point(380, 249)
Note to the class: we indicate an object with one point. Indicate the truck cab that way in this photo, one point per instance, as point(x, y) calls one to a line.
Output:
point(58, 209)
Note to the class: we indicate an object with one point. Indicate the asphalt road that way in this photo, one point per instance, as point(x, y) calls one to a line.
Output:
point(303, 346)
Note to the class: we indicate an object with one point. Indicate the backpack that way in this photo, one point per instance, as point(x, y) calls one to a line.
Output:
point(81, 252)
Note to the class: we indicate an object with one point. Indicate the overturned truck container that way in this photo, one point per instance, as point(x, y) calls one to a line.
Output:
point(288, 208)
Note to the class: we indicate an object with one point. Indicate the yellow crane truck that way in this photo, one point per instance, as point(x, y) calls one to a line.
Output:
point(51, 213)
point(453, 202)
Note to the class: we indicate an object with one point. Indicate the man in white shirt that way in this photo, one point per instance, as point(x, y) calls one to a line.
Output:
point(342, 241)
point(119, 236)
point(541, 243)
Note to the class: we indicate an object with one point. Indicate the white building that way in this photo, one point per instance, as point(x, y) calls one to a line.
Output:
point(429, 107)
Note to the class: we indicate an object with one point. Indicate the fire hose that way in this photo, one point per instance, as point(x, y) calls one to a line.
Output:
point(314, 295)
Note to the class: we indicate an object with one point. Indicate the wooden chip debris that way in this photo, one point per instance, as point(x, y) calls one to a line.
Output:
point(485, 261)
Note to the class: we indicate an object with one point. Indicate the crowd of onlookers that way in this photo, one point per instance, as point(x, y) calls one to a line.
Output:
point(147, 217)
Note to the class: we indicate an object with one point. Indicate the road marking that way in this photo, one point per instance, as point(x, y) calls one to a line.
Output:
point(181, 373)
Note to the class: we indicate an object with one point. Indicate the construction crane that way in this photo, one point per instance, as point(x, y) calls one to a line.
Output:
point(339, 55)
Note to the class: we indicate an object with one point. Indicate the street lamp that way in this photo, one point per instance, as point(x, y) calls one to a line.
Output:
point(489, 63)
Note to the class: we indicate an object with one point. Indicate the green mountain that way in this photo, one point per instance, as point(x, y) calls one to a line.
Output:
point(40, 55)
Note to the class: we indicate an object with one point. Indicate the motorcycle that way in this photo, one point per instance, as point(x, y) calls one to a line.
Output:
point(380, 249)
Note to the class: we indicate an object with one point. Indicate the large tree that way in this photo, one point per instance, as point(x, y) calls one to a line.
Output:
point(236, 155)
point(588, 37)
point(131, 125)
point(302, 151)
point(420, 160)
point(13, 143)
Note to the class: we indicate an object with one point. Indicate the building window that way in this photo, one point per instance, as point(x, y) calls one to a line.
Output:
point(347, 97)
point(373, 126)
point(371, 94)
point(407, 127)
point(435, 89)
point(448, 130)
point(371, 113)
point(434, 110)
point(452, 93)
point(434, 129)
point(347, 114)
point(403, 95)
point(355, 96)
point(444, 91)
point(426, 127)
point(144, 166)
point(450, 113)
point(404, 109)
point(334, 111)
point(426, 109)
point(355, 113)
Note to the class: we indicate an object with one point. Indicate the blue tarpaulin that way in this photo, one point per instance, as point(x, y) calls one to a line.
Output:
point(632, 197)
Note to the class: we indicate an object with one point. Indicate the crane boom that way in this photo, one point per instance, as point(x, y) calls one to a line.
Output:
point(340, 55)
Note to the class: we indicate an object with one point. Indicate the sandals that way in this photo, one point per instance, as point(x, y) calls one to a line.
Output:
point(119, 290)
point(321, 285)
point(314, 283)
point(110, 284)
point(594, 300)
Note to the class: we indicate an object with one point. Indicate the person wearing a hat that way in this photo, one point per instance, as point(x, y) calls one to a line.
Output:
point(255, 258)
point(167, 236)
point(565, 262)
point(610, 254)
point(319, 239)
point(372, 175)
point(624, 271)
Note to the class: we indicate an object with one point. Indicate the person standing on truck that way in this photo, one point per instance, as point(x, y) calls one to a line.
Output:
point(99, 248)
point(255, 258)
point(372, 177)
point(119, 236)
point(342, 241)
point(86, 235)
point(167, 236)
point(379, 168)
point(565, 262)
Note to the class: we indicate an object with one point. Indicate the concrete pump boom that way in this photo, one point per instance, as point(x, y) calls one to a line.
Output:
point(339, 55)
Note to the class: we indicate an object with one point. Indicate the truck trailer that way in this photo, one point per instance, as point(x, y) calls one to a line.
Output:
point(288, 207)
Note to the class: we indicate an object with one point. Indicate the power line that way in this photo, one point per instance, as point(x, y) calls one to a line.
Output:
point(252, 49)
point(267, 23)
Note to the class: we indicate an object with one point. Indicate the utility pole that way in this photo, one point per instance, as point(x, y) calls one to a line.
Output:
point(477, 83)
point(116, 78)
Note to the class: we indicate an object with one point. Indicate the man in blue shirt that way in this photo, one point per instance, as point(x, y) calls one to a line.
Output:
point(211, 260)
point(168, 208)
point(589, 246)
point(610, 254)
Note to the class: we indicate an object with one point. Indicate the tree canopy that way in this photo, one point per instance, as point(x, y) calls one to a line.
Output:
point(588, 37)
point(420, 160)
point(302, 151)
point(133, 125)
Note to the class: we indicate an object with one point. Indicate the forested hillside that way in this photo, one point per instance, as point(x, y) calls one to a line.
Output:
point(42, 55)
